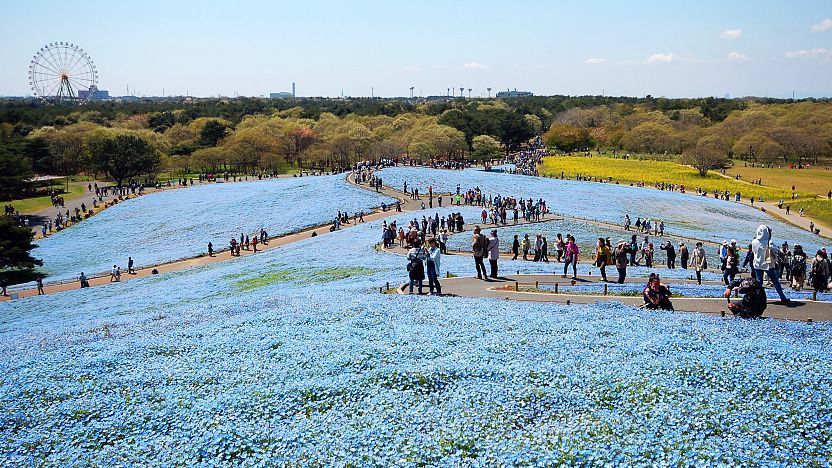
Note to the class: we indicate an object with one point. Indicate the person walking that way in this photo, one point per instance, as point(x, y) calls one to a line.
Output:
point(798, 267)
point(602, 253)
point(82, 278)
point(39, 282)
point(113, 274)
point(699, 262)
point(571, 257)
point(544, 250)
point(434, 256)
point(479, 245)
point(515, 247)
point(763, 260)
point(493, 252)
point(526, 245)
point(622, 251)
point(210, 249)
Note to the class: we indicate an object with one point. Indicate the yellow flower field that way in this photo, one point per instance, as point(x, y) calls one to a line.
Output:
point(651, 172)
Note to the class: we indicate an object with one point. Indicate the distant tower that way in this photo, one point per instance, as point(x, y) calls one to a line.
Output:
point(489, 92)
point(293, 89)
point(461, 92)
point(469, 93)
point(411, 92)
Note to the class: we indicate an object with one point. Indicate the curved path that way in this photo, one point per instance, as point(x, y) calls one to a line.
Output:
point(461, 286)
point(220, 255)
point(504, 288)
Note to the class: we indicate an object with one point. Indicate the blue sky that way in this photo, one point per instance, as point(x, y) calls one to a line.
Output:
point(633, 48)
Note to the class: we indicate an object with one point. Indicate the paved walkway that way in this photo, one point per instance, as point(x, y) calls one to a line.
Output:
point(503, 288)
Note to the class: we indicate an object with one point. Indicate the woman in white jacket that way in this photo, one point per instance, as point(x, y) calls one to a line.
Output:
point(764, 261)
point(698, 261)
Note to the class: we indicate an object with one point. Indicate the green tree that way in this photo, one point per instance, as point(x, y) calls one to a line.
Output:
point(212, 133)
point(124, 156)
point(485, 147)
point(16, 263)
point(15, 173)
point(514, 130)
point(566, 137)
point(710, 152)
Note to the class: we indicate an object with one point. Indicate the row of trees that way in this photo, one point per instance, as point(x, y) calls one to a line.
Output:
point(769, 134)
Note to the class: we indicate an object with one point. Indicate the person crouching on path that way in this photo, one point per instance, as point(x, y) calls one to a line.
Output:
point(479, 245)
point(656, 295)
point(753, 300)
point(415, 268)
point(493, 252)
point(434, 256)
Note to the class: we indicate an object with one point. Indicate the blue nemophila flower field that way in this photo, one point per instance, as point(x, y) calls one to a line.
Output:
point(683, 214)
point(293, 356)
point(179, 224)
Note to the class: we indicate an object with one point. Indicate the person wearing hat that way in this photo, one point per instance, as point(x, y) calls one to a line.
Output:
point(684, 255)
point(493, 252)
point(699, 262)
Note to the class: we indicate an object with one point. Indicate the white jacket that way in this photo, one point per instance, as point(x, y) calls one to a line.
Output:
point(761, 246)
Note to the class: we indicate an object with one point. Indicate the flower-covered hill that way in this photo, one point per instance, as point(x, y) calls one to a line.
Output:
point(293, 356)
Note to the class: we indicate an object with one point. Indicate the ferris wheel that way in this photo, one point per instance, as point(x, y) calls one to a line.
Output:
point(63, 72)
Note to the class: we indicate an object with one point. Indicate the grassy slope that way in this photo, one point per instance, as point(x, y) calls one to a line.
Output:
point(820, 210)
point(652, 172)
point(817, 181)
point(31, 205)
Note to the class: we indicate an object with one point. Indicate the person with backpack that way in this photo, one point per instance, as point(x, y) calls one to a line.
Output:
point(754, 300)
point(797, 267)
point(622, 253)
point(820, 272)
point(479, 245)
point(764, 260)
point(415, 268)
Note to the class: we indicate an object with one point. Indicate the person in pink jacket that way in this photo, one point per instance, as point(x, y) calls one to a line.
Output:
point(570, 256)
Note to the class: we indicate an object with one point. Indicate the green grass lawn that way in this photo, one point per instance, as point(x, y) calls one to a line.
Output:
point(819, 210)
point(35, 204)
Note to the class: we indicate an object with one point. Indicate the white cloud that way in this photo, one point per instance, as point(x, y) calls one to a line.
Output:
point(809, 53)
point(824, 25)
point(474, 66)
point(411, 68)
point(738, 57)
point(596, 61)
point(662, 58)
point(731, 34)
